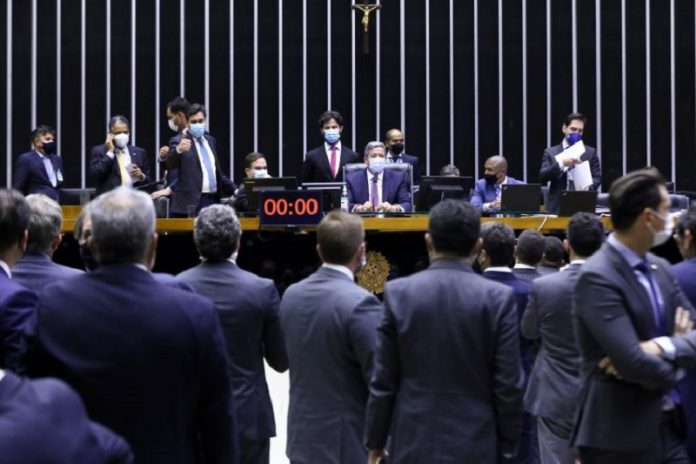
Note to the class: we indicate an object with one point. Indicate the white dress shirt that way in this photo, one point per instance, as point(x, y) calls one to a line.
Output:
point(205, 188)
point(327, 149)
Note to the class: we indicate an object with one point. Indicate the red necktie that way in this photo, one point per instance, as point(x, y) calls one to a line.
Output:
point(333, 161)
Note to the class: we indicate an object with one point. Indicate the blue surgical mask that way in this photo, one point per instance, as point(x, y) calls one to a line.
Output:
point(377, 164)
point(332, 136)
point(197, 129)
point(573, 138)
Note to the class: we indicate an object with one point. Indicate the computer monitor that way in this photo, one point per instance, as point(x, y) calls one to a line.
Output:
point(434, 189)
point(577, 201)
point(331, 193)
point(520, 198)
point(254, 187)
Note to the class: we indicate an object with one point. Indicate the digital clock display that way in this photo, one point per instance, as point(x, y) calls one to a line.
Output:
point(290, 208)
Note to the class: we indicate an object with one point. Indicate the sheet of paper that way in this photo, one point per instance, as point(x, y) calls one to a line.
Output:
point(576, 151)
point(582, 176)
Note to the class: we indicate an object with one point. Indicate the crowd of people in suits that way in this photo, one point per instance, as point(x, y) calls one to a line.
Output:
point(477, 358)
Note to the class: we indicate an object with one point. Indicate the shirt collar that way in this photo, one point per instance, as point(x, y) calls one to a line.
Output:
point(578, 261)
point(327, 146)
point(6, 268)
point(523, 266)
point(565, 144)
point(340, 268)
point(498, 269)
point(394, 157)
point(626, 253)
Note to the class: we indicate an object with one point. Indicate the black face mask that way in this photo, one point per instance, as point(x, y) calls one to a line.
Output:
point(490, 178)
point(88, 258)
point(396, 149)
point(49, 147)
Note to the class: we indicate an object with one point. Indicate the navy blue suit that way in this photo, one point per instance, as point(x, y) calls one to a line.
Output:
point(147, 359)
point(248, 309)
point(410, 159)
point(484, 192)
point(44, 421)
point(106, 173)
point(30, 175)
point(394, 189)
point(528, 275)
point(36, 271)
point(17, 312)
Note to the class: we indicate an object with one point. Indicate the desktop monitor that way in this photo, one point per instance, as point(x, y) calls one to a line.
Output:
point(577, 201)
point(331, 193)
point(254, 187)
point(434, 189)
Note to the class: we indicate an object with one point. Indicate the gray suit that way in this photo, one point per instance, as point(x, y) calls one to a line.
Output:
point(330, 326)
point(248, 309)
point(447, 384)
point(554, 384)
point(36, 271)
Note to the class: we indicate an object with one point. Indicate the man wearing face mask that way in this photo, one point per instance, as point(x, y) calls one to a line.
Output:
point(377, 189)
point(488, 191)
point(633, 326)
point(325, 163)
point(41, 169)
point(394, 142)
point(255, 167)
point(200, 181)
point(116, 162)
point(557, 167)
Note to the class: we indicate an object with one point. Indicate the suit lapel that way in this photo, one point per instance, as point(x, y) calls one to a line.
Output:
point(665, 286)
point(41, 167)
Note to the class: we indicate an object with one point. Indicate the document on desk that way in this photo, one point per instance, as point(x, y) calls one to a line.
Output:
point(582, 176)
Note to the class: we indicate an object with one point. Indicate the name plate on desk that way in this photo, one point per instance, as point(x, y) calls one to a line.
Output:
point(290, 208)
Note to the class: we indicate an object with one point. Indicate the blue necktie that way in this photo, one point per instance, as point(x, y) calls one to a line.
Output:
point(208, 166)
point(49, 170)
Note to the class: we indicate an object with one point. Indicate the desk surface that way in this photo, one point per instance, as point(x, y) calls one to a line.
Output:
point(415, 223)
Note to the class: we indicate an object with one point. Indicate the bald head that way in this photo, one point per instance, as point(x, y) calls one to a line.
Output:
point(495, 169)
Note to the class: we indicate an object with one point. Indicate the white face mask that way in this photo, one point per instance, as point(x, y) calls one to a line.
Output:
point(173, 126)
point(260, 173)
point(660, 237)
point(121, 140)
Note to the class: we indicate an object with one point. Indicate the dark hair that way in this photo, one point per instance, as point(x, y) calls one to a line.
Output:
point(687, 221)
point(327, 116)
point(251, 158)
point(530, 247)
point(116, 119)
point(41, 130)
point(454, 227)
point(196, 108)
point(553, 250)
point(498, 242)
point(216, 232)
point(15, 215)
point(179, 105)
point(449, 169)
point(339, 235)
point(575, 117)
point(585, 234)
point(631, 194)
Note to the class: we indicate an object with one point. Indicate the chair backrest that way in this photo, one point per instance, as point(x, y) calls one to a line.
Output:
point(679, 201)
point(76, 196)
point(404, 168)
point(353, 167)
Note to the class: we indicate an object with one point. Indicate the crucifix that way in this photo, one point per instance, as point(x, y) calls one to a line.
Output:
point(366, 9)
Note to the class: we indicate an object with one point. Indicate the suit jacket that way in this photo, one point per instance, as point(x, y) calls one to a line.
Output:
point(546, 270)
point(30, 175)
point(394, 189)
point(554, 384)
point(528, 275)
point(106, 173)
point(44, 421)
point(485, 192)
point(413, 161)
point(551, 172)
point(17, 313)
point(148, 360)
point(190, 174)
point(247, 306)
point(36, 271)
point(316, 166)
point(330, 325)
point(447, 383)
point(613, 314)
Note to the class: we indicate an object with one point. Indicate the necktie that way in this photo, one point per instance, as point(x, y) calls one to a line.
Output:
point(374, 193)
point(121, 159)
point(498, 191)
point(569, 177)
point(208, 166)
point(657, 310)
point(333, 161)
point(49, 171)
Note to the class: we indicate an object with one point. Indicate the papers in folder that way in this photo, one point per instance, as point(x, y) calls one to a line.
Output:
point(580, 174)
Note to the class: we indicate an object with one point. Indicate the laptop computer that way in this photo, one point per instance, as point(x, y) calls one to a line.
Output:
point(577, 201)
point(520, 198)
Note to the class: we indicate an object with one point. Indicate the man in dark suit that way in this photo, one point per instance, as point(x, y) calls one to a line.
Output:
point(36, 269)
point(497, 252)
point(255, 167)
point(488, 191)
point(330, 325)
point(201, 181)
point(553, 258)
point(394, 142)
point(377, 189)
point(17, 303)
point(554, 384)
point(247, 306)
point(557, 167)
point(447, 402)
point(685, 271)
point(528, 253)
point(148, 360)
point(41, 169)
point(45, 421)
point(325, 163)
point(633, 322)
point(116, 162)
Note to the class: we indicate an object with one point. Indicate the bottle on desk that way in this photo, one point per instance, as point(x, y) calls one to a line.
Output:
point(344, 199)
